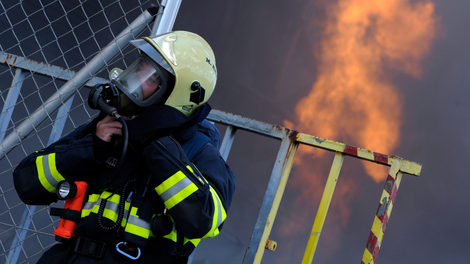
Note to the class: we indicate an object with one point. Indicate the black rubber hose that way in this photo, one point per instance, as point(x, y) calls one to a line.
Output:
point(121, 206)
point(118, 167)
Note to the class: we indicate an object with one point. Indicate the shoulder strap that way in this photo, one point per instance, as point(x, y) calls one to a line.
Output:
point(192, 146)
point(206, 132)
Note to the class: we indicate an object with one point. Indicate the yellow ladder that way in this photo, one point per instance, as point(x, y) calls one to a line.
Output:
point(290, 140)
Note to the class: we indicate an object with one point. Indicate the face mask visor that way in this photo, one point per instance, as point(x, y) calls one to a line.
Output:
point(143, 82)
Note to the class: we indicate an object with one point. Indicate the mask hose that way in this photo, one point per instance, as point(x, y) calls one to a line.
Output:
point(125, 136)
point(96, 101)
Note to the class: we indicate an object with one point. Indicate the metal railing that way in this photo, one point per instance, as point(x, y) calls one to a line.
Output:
point(290, 140)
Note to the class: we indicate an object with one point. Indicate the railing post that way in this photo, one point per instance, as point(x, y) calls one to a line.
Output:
point(272, 198)
point(166, 17)
point(323, 208)
point(383, 213)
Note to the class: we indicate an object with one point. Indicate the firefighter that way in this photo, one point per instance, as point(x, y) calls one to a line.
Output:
point(172, 187)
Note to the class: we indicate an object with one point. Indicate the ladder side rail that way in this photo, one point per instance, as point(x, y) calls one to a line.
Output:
point(323, 208)
point(384, 211)
point(272, 198)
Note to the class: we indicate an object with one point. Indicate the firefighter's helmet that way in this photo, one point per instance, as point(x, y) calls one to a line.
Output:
point(183, 66)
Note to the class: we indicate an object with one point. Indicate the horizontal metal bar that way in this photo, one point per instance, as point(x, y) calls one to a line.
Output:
point(408, 167)
point(278, 132)
point(248, 124)
point(36, 67)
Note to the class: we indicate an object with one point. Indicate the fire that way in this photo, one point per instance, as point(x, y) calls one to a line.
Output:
point(354, 100)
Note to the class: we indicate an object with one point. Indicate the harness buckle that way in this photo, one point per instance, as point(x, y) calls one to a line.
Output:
point(90, 247)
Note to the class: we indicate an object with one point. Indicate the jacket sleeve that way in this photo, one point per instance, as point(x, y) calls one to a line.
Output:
point(37, 175)
point(197, 195)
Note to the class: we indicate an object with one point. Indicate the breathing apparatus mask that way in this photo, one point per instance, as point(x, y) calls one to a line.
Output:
point(142, 84)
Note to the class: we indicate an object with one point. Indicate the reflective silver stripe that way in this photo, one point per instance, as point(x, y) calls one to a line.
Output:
point(134, 220)
point(218, 211)
point(175, 189)
point(219, 205)
point(110, 205)
point(89, 206)
point(90, 203)
point(47, 171)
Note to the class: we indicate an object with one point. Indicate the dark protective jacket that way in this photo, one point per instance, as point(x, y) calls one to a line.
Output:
point(155, 179)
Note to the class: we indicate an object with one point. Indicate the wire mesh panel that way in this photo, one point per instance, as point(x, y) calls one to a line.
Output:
point(39, 40)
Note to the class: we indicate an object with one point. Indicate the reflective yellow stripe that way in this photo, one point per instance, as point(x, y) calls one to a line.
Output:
point(137, 230)
point(90, 204)
point(42, 177)
point(137, 226)
point(194, 241)
point(52, 166)
point(168, 183)
point(183, 194)
point(47, 172)
point(110, 214)
point(111, 207)
point(172, 236)
point(176, 188)
point(219, 215)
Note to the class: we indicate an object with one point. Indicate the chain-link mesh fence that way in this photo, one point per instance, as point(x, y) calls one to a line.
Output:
point(44, 44)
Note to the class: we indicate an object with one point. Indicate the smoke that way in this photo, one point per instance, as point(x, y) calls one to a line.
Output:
point(364, 44)
point(353, 99)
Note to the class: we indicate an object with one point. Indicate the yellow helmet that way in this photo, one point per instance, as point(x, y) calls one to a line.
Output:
point(190, 59)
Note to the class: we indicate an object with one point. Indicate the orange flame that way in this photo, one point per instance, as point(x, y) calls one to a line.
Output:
point(353, 100)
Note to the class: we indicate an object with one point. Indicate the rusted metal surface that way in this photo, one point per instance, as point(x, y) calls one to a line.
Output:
point(278, 132)
point(271, 245)
point(248, 124)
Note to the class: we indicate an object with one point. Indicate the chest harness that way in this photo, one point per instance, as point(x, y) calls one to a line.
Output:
point(123, 211)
